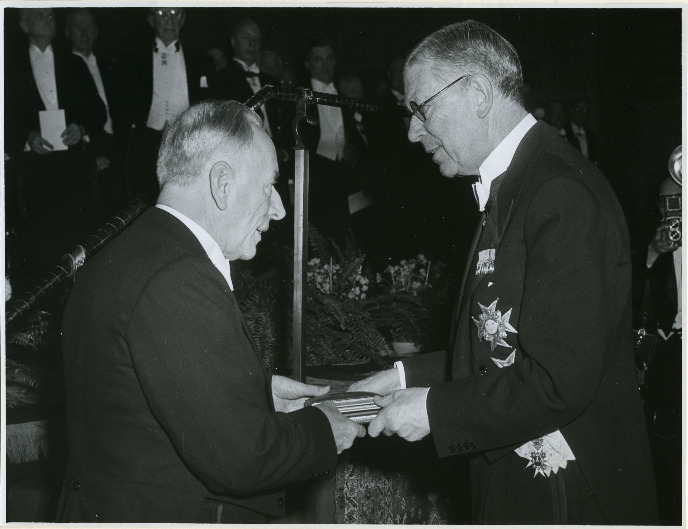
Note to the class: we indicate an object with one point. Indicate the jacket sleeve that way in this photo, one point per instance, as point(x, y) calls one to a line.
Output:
point(206, 386)
point(562, 333)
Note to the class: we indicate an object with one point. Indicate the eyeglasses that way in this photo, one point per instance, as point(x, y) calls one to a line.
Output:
point(172, 13)
point(418, 109)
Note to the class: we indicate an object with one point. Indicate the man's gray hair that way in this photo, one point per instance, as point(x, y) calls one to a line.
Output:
point(199, 132)
point(471, 47)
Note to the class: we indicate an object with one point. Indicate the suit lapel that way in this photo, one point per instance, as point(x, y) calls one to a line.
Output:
point(506, 200)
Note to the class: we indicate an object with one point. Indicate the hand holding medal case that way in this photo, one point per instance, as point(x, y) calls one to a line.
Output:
point(358, 406)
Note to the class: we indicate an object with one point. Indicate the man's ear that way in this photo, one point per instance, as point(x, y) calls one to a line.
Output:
point(150, 19)
point(221, 179)
point(483, 93)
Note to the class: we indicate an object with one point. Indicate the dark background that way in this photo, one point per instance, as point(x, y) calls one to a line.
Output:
point(626, 60)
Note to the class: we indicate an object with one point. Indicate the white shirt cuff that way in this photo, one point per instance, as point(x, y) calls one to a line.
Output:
point(402, 374)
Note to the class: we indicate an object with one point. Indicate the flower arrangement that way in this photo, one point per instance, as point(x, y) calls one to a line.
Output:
point(323, 277)
point(348, 317)
point(409, 274)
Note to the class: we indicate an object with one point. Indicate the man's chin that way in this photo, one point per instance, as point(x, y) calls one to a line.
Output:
point(449, 170)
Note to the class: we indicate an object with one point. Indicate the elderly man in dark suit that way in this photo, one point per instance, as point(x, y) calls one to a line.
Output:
point(541, 391)
point(161, 82)
point(53, 173)
point(172, 416)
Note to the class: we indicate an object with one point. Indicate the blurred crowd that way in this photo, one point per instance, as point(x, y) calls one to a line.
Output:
point(82, 131)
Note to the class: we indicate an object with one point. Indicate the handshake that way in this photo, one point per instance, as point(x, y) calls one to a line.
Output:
point(377, 399)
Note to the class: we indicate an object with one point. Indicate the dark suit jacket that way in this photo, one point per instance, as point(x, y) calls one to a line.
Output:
point(138, 93)
point(170, 412)
point(562, 274)
point(76, 94)
point(231, 83)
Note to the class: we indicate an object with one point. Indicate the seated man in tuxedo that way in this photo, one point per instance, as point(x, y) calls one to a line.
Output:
point(162, 80)
point(53, 172)
point(172, 416)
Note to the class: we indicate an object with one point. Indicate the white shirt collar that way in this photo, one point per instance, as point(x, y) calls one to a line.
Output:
point(577, 129)
point(209, 244)
point(90, 59)
point(35, 50)
point(160, 47)
point(252, 68)
point(319, 86)
point(499, 159)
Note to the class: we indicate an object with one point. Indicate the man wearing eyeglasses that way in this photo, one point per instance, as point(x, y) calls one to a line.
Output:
point(541, 390)
point(162, 81)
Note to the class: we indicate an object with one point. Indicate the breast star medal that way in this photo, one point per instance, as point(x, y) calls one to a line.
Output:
point(492, 326)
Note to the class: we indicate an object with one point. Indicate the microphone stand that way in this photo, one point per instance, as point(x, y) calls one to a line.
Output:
point(302, 97)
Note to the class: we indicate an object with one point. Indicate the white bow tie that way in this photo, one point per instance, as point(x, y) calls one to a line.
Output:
point(254, 68)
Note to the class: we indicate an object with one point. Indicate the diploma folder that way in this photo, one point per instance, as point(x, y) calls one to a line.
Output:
point(355, 405)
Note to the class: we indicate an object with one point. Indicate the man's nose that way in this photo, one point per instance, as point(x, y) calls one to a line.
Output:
point(416, 129)
point(276, 207)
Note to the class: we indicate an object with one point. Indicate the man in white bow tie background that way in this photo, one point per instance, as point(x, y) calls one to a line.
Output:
point(161, 82)
point(540, 387)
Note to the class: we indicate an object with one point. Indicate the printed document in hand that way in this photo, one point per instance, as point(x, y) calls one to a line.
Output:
point(53, 124)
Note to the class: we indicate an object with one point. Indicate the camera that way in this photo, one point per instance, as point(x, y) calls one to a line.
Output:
point(672, 218)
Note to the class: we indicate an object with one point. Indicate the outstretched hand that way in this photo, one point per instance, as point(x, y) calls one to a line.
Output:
point(403, 413)
point(289, 395)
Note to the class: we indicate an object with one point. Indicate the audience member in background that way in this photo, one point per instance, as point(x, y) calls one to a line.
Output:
point(358, 188)
point(663, 316)
point(242, 77)
point(53, 168)
point(172, 415)
point(578, 132)
point(109, 191)
point(162, 80)
point(332, 156)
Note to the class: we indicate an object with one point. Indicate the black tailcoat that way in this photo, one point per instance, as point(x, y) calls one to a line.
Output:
point(562, 282)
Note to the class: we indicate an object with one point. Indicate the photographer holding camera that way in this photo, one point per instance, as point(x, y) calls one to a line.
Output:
point(662, 314)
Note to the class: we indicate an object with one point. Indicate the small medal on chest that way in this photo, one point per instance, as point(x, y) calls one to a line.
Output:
point(486, 260)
